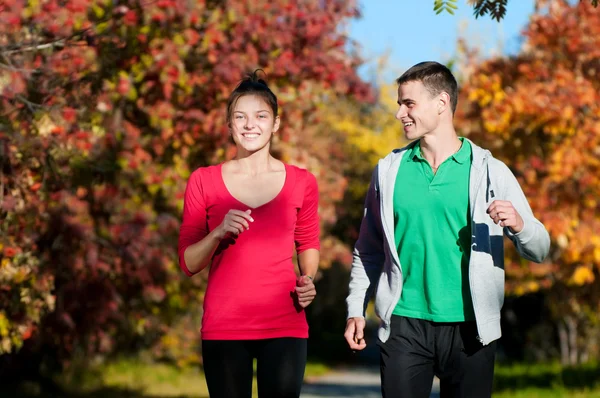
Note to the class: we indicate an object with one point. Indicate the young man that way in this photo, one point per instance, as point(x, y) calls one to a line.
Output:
point(431, 245)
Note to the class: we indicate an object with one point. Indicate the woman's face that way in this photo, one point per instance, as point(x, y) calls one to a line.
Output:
point(253, 123)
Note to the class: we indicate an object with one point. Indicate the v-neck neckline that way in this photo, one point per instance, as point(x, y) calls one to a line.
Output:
point(280, 193)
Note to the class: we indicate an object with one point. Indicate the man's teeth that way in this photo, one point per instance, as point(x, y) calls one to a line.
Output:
point(408, 124)
point(251, 135)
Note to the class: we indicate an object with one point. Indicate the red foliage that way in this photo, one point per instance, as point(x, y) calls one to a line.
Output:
point(105, 108)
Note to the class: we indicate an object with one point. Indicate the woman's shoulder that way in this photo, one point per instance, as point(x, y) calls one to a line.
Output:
point(203, 171)
point(301, 171)
point(302, 177)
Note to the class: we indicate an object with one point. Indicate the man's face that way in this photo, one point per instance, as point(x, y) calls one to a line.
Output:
point(419, 110)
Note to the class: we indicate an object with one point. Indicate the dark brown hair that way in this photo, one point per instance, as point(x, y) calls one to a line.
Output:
point(435, 77)
point(252, 84)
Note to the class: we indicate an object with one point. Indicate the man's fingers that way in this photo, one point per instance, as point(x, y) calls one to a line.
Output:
point(349, 335)
point(500, 203)
point(356, 346)
point(354, 334)
point(500, 206)
point(359, 332)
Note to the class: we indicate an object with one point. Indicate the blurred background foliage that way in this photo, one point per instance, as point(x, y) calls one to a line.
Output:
point(107, 106)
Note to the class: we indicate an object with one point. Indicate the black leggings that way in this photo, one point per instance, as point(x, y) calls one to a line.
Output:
point(280, 367)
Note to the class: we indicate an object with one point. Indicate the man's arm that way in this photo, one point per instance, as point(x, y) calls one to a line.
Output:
point(368, 258)
point(514, 214)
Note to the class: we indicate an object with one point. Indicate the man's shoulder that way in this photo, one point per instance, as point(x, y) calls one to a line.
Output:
point(480, 153)
point(397, 152)
point(497, 166)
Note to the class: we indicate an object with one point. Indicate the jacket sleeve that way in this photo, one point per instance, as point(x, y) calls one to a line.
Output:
point(368, 255)
point(533, 242)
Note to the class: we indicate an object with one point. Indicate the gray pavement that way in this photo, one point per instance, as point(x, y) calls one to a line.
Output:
point(350, 383)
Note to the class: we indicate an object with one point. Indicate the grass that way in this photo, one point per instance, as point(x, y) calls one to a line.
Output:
point(136, 379)
point(547, 393)
point(131, 379)
point(150, 380)
point(547, 381)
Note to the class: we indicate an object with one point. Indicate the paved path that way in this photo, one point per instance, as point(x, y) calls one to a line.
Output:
point(349, 383)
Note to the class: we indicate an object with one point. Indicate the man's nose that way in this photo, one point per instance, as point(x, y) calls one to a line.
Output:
point(401, 112)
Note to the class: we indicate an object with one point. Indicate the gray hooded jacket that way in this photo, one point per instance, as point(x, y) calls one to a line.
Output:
point(376, 266)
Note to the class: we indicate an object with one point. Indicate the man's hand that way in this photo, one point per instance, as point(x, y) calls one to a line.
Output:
point(505, 215)
point(306, 291)
point(355, 328)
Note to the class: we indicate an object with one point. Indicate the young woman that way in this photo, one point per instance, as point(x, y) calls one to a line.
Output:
point(243, 219)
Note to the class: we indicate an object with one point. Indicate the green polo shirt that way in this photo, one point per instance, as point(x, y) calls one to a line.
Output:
point(433, 236)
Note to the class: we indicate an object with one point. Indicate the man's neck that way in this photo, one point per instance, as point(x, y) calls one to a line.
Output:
point(436, 149)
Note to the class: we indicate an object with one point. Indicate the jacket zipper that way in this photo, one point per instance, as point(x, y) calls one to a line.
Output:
point(473, 299)
point(393, 253)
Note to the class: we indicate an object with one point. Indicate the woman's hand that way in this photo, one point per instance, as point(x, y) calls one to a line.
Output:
point(306, 291)
point(235, 222)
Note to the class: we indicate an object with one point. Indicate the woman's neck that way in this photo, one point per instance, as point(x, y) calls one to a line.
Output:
point(255, 163)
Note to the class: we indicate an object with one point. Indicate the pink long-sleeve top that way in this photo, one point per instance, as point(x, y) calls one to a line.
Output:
point(251, 281)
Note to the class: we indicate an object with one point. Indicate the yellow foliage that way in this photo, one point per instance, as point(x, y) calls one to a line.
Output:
point(533, 286)
point(4, 324)
point(376, 132)
point(597, 255)
point(582, 276)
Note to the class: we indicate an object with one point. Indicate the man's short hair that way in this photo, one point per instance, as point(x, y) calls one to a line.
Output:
point(435, 77)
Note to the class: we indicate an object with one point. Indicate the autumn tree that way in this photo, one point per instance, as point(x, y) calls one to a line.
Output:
point(367, 133)
point(105, 108)
point(358, 134)
point(495, 9)
point(539, 112)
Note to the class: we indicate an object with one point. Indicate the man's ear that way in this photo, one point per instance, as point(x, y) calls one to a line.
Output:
point(443, 102)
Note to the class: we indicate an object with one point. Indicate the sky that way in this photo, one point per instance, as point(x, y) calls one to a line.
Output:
point(409, 31)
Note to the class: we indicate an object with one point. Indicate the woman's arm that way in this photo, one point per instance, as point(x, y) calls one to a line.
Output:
point(196, 244)
point(308, 262)
point(198, 255)
point(306, 237)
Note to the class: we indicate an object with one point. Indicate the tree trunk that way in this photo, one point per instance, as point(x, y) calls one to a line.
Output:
point(564, 343)
point(572, 331)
